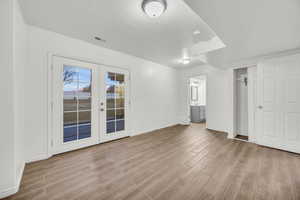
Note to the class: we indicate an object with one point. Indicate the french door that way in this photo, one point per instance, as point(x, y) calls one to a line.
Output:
point(114, 103)
point(90, 104)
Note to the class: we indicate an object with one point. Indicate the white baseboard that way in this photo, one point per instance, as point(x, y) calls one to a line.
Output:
point(154, 129)
point(38, 158)
point(8, 192)
point(14, 189)
point(252, 141)
point(185, 123)
point(230, 136)
point(20, 175)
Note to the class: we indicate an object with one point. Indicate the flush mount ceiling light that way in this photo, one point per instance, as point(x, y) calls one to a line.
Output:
point(154, 8)
point(196, 32)
point(186, 61)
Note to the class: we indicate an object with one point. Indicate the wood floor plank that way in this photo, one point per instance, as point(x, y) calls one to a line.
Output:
point(176, 163)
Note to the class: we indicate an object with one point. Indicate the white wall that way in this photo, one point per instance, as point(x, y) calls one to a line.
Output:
point(13, 56)
point(154, 88)
point(7, 167)
point(218, 96)
point(20, 46)
point(218, 101)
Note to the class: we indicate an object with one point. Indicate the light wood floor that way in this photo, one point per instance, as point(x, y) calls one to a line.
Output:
point(177, 163)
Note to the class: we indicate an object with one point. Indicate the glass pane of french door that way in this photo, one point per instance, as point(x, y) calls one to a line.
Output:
point(115, 102)
point(77, 97)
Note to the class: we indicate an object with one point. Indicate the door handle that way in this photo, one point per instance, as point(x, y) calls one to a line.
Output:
point(101, 109)
point(260, 107)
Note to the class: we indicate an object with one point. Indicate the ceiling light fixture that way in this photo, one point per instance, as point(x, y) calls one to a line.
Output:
point(196, 32)
point(154, 8)
point(186, 61)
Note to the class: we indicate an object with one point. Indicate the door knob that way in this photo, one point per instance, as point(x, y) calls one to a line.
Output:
point(260, 107)
point(101, 109)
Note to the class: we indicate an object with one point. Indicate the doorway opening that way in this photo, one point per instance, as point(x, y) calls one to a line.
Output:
point(241, 105)
point(197, 105)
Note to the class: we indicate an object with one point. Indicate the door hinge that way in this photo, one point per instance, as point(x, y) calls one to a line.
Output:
point(51, 143)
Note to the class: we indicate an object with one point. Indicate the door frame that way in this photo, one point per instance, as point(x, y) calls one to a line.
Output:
point(187, 110)
point(239, 91)
point(252, 103)
point(50, 67)
point(252, 114)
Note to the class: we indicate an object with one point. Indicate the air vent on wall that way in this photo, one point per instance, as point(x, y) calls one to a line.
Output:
point(99, 39)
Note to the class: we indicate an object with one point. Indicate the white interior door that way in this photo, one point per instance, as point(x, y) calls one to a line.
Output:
point(90, 104)
point(279, 103)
